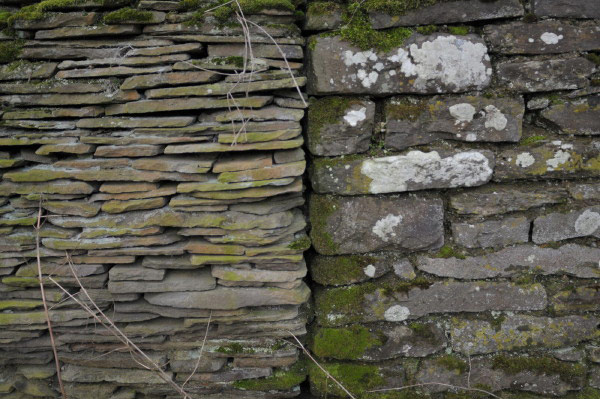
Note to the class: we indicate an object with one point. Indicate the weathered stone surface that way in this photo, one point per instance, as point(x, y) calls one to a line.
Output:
point(376, 344)
point(119, 123)
point(268, 276)
point(566, 8)
point(413, 121)
point(174, 281)
point(109, 72)
point(570, 259)
point(460, 64)
point(543, 37)
point(493, 199)
point(57, 243)
point(579, 117)
point(73, 373)
point(118, 188)
point(43, 113)
point(397, 301)
point(198, 164)
point(132, 61)
point(176, 104)
point(445, 13)
point(585, 191)
point(517, 332)
point(168, 79)
point(118, 151)
point(323, 16)
point(231, 298)
point(133, 205)
point(340, 125)
point(280, 171)
point(27, 71)
point(78, 208)
point(547, 75)
point(219, 147)
point(492, 233)
point(232, 163)
point(343, 225)
point(86, 31)
point(57, 20)
point(70, 99)
point(561, 226)
point(556, 159)
point(415, 170)
point(54, 187)
point(259, 50)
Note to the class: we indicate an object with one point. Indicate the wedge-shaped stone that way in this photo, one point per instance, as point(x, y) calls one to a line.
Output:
point(258, 50)
point(57, 20)
point(446, 13)
point(571, 259)
point(117, 188)
point(132, 61)
point(219, 147)
point(133, 205)
point(174, 49)
point(382, 302)
point(69, 99)
point(54, 187)
point(556, 159)
point(48, 113)
point(145, 106)
point(413, 121)
point(55, 86)
point(415, 170)
point(26, 71)
point(543, 37)
point(159, 192)
point(561, 226)
point(212, 185)
point(87, 31)
point(516, 332)
point(119, 123)
point(73, 373)
point(119, 232)
point(460, 64)
point(39, 124)
point(224, 298)
point(197, 164)
point(529, 76)
point(292, 169)
point(344, 225)
point(174, 281)
point(109, 72)
point(232, 163)
point(268, 276)
point(118, 151)
point(216, 89)
point(255, 192)
point(77, 208)
point(168, 79)
point(239, 259)
point(65, 51)
point(258, 137)
point(579, 117)
point(163, 239)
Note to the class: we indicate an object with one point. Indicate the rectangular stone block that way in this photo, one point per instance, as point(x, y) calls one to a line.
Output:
point(562, 226)
point(491, 234)
point(566, 8)
point(344, 225)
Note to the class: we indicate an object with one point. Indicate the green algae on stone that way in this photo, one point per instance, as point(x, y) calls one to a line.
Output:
point(300, 244)
point(343, 343)
point(356, 378)
point(531, 140)
point(339, 270)
point(359, 31)
point(459, 30)
point(453, 363)
point(320, 208)
point(448, 252)
point(19, 304)
point(10, 50)
point(281, 380)
point(127, 14)
point(542, 365)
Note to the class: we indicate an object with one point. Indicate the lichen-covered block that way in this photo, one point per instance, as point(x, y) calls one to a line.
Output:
point(579, 117)
point(415, 170)
point(562, 226)
point(413, 121)
point(345, 225)
point(340, 125)
point(438, 63)
point(325, 15)
point(492, 233)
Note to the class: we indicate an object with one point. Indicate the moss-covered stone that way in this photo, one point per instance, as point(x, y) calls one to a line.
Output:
point(281, 380)
point(129, 15)
point(339, 270)
point(10, 50)
point(343, 343)
point(453, 363)
point(356, 378)
point(320, 208)
point(546, 365)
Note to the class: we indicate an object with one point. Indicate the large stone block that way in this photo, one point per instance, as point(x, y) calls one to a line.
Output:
point(345, 225)
point(415, 170)
point(562, 226)
point(492, 233)
point(566, 8)
point(580, 117)
point(414, 121)
point(447, 13)
point(424, 64)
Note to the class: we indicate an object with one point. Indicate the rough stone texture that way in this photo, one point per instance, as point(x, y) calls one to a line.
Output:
point(337, 67)
point(415, 121)
point(561, 226)
point(492, 233)
point(343, 225)
point(566, 8)
point(579, 117)
point(415, 170)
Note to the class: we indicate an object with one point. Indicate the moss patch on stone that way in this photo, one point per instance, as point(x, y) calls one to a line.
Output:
point(453, 363)
point(546, 365)
point(398, 7)
point(359, 31)
point(338, 270)
point(10, 50)
point(281, 380)
point(234, 348)
point(448, 252)
point(301, 244)
point(327, 111)
point(321, 8)
point(127, 14)
point(405, 109)
point(357, 378)
point(531, 140)
point(38, 11)
point(320, 208)
point(223, 10)
point(343, 343)
point(458, 30)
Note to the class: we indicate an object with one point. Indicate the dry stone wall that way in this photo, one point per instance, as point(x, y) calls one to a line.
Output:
point(455, 198)
point(172, 180)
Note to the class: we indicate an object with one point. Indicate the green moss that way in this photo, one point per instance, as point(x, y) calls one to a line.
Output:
point(338, 270)
point(452, 362)
point(397, 7)
point(359, 32)
point(595, 58)
point(5, 18)
point(38, 11)
point(234, 348)
point(422, 330)
point(327, 111)
point(541, 365)
point(9, 51)
point(357, 378)
point(589, 393)
point(320, 208)
point(496, 322)
point(20, 304)
point(459, 30)
point(448, 252)
point(127, 14)
point(301, 244)
point(232, 60)
point(405, 109)
point(226, 9)
point(531, 140)
point(281, 380)
point(321, 8)
point(343, 343)
point(427, 29)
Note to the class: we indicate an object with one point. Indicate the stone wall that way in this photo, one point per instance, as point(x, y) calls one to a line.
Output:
point(173, 182)
point(455, 211)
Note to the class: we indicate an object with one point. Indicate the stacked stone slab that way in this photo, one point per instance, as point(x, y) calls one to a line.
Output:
point(455, 209)
point(169, 180)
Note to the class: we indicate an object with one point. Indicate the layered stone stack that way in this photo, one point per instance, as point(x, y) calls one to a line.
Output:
point(456, 204)
point(167, 165)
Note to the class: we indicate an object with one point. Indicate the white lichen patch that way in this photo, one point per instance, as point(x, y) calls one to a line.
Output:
point(396, 313)
point(551, 38)
point(451, 60)
point(560, 157)
point(587, 223)
point(355, 116)
point(426, 170)
point(494, 118)
point(370, 271)
point(367, 79)
point(525, 160)
point(384, 228)
point(463, 112)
